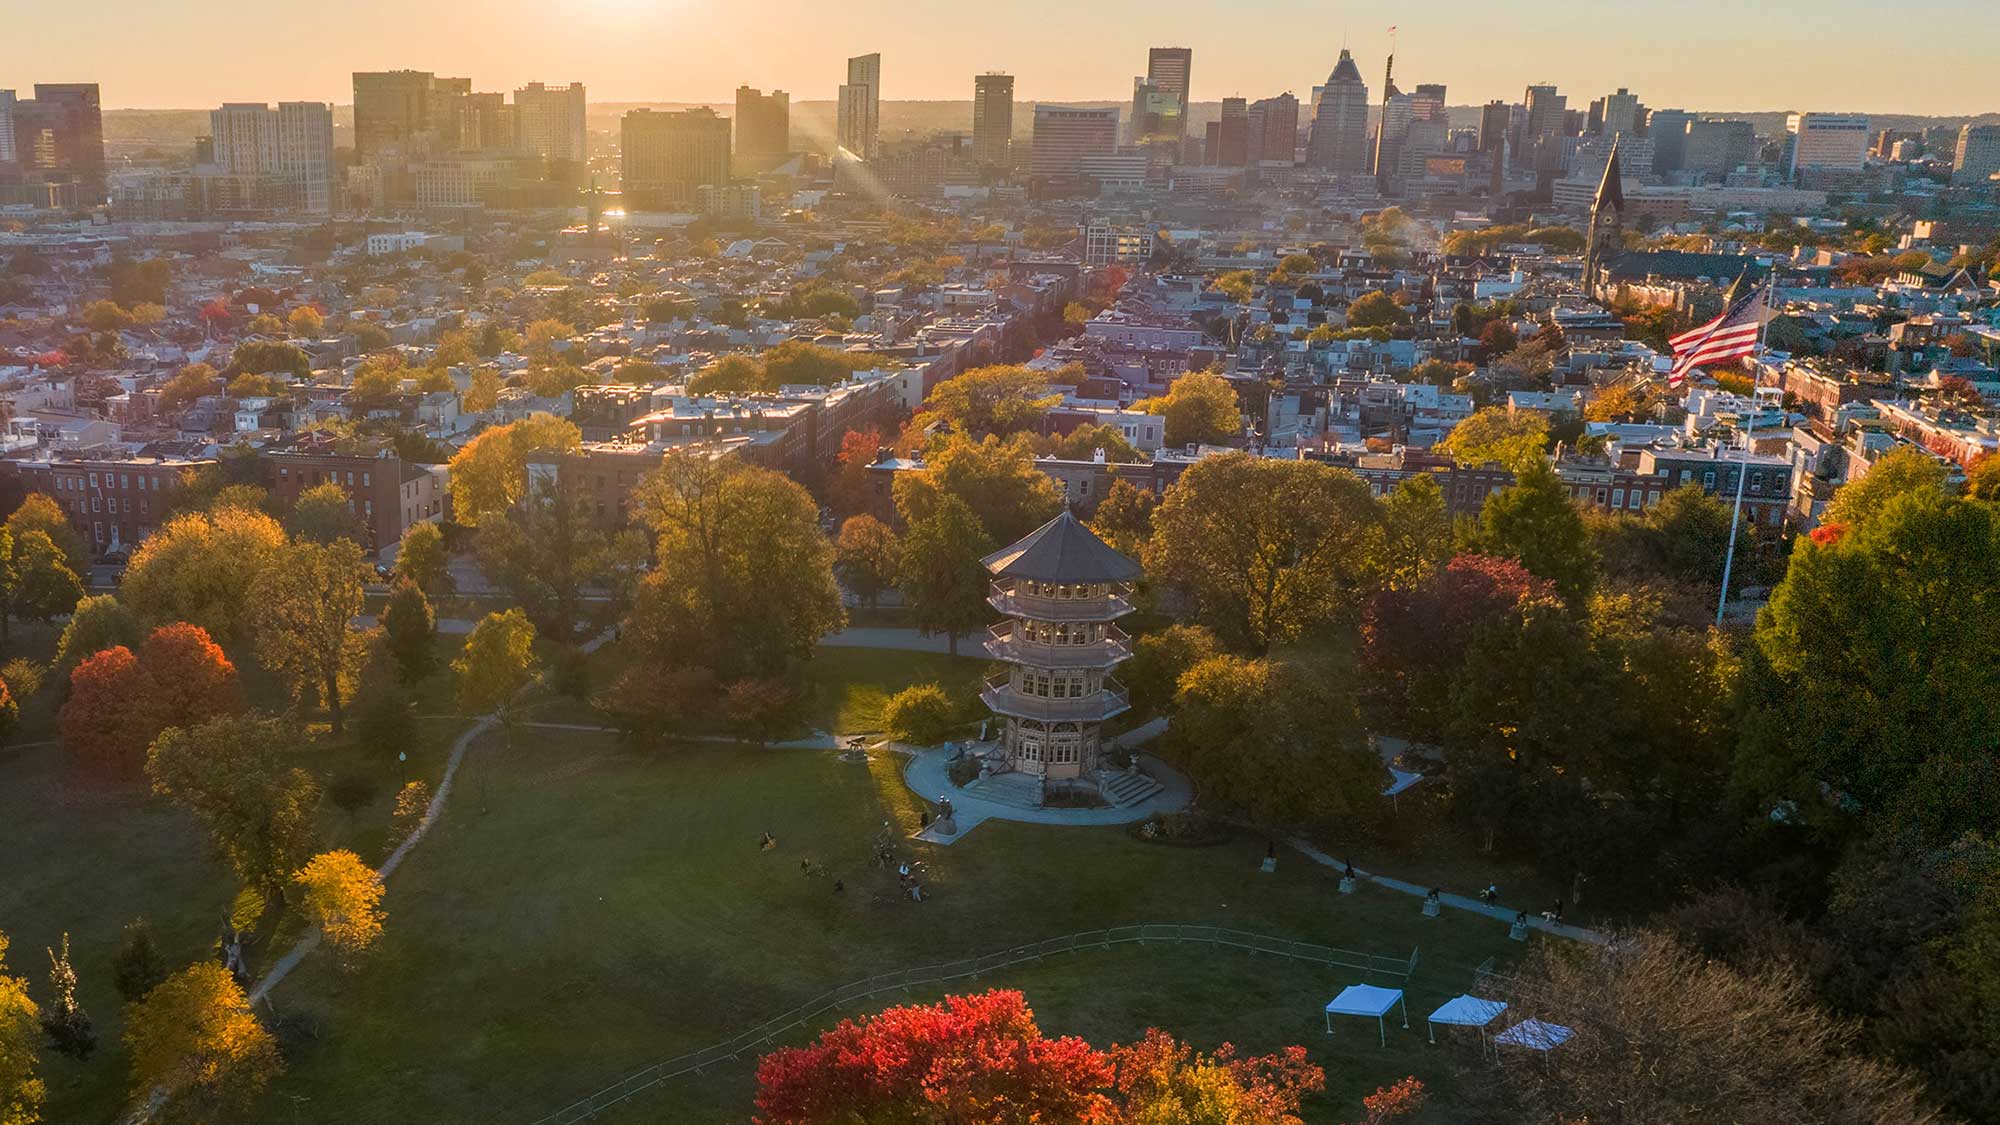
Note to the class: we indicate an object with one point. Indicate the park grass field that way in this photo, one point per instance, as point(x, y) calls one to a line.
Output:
point(587, 907)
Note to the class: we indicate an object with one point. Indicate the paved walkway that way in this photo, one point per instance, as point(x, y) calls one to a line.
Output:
point(929, 776)
point(1456, 902)
point(907, 640)
point(450, 626)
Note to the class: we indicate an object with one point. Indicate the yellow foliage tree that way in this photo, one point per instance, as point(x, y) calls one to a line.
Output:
point(195, 1040)
point(1514, 440)
point(491, 473)
point(201, 567)
point(20, 1042)
point(344, 895)
point(1200, 408)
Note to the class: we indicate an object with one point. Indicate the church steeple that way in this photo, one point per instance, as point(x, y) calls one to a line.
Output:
point(1607, 223)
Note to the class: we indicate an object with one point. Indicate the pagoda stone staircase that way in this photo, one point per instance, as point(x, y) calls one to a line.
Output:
point(1015, 790)
point(1126, 787)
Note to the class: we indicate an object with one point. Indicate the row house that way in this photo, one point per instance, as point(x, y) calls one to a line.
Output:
point(388, 495)
point(114, 498)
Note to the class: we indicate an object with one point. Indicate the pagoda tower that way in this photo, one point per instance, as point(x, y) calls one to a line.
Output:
point(1062, 591)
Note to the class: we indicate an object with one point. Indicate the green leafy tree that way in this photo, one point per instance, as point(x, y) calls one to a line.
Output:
point(544, 551)
point(1266, 550)
point(742, 581)
point(1495, 434)
point(39, 512)
point(920, 714)
point(498, 659)
point(423, 560)
point(1160, 659)
point(1900, 471)
point(410, 631)
point(202, 567)
point(1374, 309)
point(1536, 522)
point(67, 1024)
point(44, 587)
point(137, 968)
point(261, 814)
point(1124, 518)
point(996, 479)
point(1415, 537)
point(943, 577)
point(305, 604)
point(865, 556)
point(1877, 690)
point(322, 514)
point(1280, 741)
point(733, 374)
point(95, 624)
point(992, 400)
point(1200, 409)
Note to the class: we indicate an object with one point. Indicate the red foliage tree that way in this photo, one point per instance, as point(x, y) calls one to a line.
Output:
point(104, 724)
point(188, 678)
point(1391, 1102)
point(1416, 639)
point(849, 490)
point(970, 1060)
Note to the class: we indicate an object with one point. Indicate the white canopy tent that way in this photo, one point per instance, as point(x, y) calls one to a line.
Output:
point(1466, 1011)
point(1368, 1001)
point(1535, 1035)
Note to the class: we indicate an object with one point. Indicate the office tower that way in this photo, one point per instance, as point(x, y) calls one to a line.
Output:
point(1274, 129)
point(1157, 118)
point(486, 124)
point(1168, 71)
point(1494, 120)
point(992, 118)
point(549, 122)
point(1977, 157)
point(59, 134)
point(1228, 142)
point(1668, 130)
point(860, 123)
point(1066, 135)
point(7, 101)
point(391, 112)
point(1716, 148)
point(1617, 113)
point(1837, 141)
point(665, 157)
point(763, 123)
point(1340, 121)
point(1547, 122)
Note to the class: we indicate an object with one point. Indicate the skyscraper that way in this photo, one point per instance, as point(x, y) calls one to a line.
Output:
point(1494, 119)
point(1548, 121)
point(1717, 147)
point(486, 123)
point(7, 102)
point(293, 143)
point(992, 118)
point(860, 120)
point(1668, 130)
point(1617, 113)
point(1228, 141)
point(1340, 121)
point(59, 135)
point(763, 123)
point(549, 122)
point(1977, 158)
point(666, 157)
point(1168, 71)
point(392, 111)
point(1274, 129)
point(1065, 135)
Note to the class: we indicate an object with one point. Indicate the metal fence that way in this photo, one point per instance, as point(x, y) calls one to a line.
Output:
point(765, 1034)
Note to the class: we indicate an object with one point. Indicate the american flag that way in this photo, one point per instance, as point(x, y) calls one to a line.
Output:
point(1727, 338)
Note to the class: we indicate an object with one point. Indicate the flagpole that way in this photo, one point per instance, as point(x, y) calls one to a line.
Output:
point(1749, 434)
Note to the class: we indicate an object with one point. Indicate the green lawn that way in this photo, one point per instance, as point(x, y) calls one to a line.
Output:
point(587, 908)
point(843, 689)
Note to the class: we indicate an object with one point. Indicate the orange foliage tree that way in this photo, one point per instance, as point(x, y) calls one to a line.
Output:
point(119, 703)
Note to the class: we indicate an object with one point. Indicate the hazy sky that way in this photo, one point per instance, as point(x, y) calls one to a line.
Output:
point(1859, 55)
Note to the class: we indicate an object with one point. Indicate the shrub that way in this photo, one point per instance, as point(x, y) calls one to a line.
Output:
point(412, 802)
point(137, 967)
point(1182, 829)
point(921, 714)
point(22, 676)
point(963, 772)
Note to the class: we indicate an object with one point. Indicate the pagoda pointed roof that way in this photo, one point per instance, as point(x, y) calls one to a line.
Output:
point(1062, 550)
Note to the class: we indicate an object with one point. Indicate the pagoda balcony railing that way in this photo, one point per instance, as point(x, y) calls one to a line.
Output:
point(1011, 603)
point(1003, 697)
point(1003, 642)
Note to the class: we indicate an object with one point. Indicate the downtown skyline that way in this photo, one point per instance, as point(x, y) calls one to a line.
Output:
point(622, 50)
